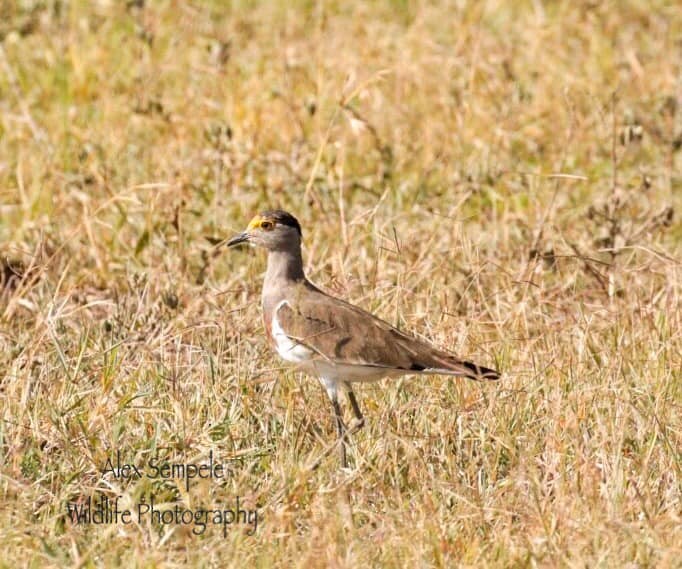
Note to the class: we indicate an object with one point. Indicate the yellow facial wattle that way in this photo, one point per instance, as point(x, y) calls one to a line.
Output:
point(254, 223)
point(258, 221)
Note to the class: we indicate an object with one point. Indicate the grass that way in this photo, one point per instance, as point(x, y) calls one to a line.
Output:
point(500, 178)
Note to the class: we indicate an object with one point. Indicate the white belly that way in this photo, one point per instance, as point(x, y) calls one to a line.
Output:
point(352, 373)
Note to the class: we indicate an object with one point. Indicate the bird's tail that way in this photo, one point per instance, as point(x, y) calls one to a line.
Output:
point(450, 365)
point(480, 373)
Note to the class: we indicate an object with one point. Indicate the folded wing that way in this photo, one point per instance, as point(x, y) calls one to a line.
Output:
point(347, 335)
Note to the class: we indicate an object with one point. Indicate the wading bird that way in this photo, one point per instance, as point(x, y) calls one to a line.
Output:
point(329, 338)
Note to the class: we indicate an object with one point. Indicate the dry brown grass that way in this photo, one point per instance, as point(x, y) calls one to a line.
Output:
point(501, 177)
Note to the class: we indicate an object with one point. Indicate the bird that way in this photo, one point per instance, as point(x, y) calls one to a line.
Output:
point(327, 337)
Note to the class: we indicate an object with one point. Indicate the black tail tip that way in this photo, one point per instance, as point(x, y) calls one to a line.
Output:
point(482, 373)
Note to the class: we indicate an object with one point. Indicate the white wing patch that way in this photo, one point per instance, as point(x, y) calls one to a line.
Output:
point(288, 349)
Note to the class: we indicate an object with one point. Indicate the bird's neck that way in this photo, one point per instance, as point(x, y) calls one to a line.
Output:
point(284, 267)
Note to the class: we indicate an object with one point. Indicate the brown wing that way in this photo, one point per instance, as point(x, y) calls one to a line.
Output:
point(346, 334)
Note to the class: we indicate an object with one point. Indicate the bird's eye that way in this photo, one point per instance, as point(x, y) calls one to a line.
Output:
point(267, 225)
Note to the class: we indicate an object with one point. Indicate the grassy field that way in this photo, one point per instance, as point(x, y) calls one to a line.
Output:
point(501, 178)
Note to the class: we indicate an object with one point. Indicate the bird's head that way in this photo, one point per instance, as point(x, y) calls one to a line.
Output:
point(273, 230)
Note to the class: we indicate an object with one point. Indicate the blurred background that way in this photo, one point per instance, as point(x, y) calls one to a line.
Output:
point(501, 177)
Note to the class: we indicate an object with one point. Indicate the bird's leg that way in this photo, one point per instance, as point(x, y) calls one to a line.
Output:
point(341, 431)
point(359, 419)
